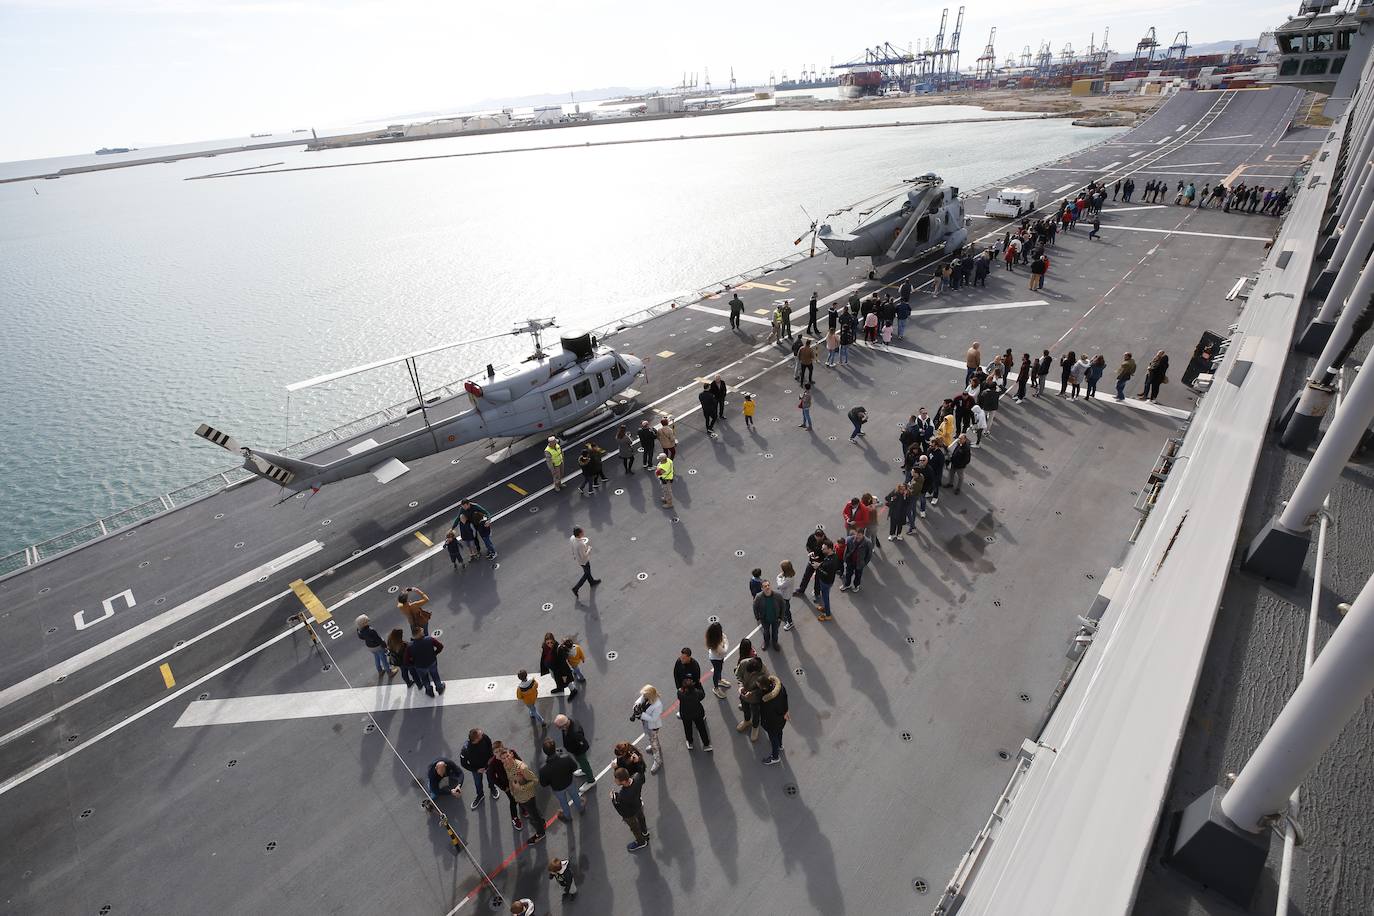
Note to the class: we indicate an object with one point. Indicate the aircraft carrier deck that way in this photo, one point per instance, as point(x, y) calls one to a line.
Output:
point(132, 782)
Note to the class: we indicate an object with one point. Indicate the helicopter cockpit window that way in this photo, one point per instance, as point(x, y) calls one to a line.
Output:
point(582, 389)
point(600, 380)
point(560, 400)
point(617, 370)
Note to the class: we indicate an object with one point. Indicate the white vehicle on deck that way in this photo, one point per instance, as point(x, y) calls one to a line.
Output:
point(1011, 202)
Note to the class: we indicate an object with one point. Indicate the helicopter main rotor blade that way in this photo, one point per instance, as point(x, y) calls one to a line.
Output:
point(344, 373)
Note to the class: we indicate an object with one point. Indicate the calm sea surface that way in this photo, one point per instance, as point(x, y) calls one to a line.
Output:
point(137, 304)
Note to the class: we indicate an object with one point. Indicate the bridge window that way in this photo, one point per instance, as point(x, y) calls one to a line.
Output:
point(582, 389)
point(1322, 41)
point(1343, 39)
point(1288, 67)
point(1290, 44)
point(1314, 66)
point(1338, 65)
point(560, 400)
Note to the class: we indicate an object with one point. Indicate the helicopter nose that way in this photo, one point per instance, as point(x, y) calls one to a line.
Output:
point(633, 363)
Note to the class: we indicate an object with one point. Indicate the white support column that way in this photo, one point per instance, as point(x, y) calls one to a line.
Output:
point(1351, 250)
point(1360, 194)
point(1301, 428)
point(1340, 680)
point(1357, 177)
point(1361, 145)
point(1279, 549)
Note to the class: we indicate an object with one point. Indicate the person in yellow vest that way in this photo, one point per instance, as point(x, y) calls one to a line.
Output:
point(749, 411)
point(527, 691)
point(553, 457)
point(664, 472)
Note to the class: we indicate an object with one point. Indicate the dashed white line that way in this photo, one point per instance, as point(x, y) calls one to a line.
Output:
point(1108, 168)
point(1065, 187)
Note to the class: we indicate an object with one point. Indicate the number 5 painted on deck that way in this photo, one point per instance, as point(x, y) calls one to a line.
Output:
point(79, 618)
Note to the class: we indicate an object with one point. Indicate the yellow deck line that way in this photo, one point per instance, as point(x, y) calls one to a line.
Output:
point(519, 490)
point(424, 540)
point(167, 678)
point(312, 604)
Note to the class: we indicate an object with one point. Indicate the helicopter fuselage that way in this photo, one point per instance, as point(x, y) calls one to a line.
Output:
point(542, 395)
point(932, 215)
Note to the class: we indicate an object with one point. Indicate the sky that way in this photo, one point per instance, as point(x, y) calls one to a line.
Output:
point(80, 74)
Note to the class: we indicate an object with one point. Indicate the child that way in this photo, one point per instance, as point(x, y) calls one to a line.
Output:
point(575, 659)
point(522, 907)
point(467, 533)
point(756, 583)
point(454, 548)
point(748, 411)
point(562, 872)
point(887, 334)
point(527, 691)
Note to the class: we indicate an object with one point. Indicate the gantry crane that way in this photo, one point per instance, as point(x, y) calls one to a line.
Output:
point(1044, 59)
point(1181, 46)
point(986, 65)
point(953, 68)
point(1147, 45)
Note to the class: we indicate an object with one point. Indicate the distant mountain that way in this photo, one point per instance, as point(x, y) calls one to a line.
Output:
point(1220, 47)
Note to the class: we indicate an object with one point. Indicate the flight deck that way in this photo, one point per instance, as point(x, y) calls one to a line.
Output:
point(172, 740)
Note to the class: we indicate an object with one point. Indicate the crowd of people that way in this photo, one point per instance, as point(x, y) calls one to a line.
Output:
point(936, 450)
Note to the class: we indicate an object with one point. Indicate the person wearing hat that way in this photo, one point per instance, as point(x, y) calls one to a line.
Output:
point(553, 457)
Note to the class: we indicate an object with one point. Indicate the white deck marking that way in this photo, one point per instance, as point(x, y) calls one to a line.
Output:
point(153, 625)
point(991, 306)
point(1164, 170)
point(1065, 187)
point(1180, 127)
point(1108, 168)
point(837, 295)
point(1136, 153)
point(1210, 235)
point(1186, 165)
point(1228, 137)
point(312, 704)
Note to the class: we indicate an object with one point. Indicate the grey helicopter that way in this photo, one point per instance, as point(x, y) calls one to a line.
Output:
point(547, 393)
point(931, 216)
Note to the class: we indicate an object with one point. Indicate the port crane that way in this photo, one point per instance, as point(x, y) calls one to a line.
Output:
point(1146, 47)
point(986, 65)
